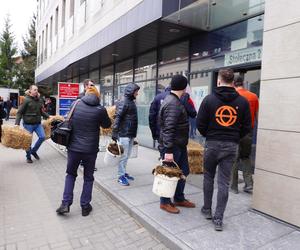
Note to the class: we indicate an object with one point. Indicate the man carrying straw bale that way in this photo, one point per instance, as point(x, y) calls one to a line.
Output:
point(31, 111)
point(174, 135)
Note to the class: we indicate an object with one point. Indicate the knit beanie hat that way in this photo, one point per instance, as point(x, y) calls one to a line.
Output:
point(92, 90)
point(178, 82)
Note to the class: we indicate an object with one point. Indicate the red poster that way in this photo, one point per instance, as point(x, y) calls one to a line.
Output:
point(68, 90)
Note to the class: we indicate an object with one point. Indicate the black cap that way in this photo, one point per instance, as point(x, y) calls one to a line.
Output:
point(178, 82)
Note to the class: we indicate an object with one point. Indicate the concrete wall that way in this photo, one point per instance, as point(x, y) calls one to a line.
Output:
point(277, 176)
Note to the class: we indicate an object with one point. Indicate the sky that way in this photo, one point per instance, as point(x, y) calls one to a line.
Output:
point(21, 12)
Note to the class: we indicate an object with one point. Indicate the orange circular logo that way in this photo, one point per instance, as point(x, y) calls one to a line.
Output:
point(226, 116)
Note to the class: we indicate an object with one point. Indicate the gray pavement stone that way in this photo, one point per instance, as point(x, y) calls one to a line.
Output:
point(30, 193)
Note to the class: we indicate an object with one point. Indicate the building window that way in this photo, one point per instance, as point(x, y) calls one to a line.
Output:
point(71, 8)
point(46, 42)
point(63, 13)
point(56, 21)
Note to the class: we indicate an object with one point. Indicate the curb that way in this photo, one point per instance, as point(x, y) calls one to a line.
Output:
point(154, 228)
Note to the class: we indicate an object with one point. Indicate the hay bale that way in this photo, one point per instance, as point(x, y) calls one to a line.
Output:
point(13, 112)
point(195, 157)
point(111, 111)
point(47, 124)
point(16, 137)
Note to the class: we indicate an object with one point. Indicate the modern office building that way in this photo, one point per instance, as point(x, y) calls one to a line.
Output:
point(115, 42)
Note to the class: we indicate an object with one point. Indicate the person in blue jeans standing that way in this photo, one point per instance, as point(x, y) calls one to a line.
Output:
point(31, 112)
point(173, 140)
point(125, 129)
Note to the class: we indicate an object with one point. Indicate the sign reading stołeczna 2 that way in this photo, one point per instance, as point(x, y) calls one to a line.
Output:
point(243, 56)
point(67, 93)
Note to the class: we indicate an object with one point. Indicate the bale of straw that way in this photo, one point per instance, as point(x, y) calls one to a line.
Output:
point(47, 124)
point(111, 111)
point(195, 157)
point(13, 112)
point(16, 137)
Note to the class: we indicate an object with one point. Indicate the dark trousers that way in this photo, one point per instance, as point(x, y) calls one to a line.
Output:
point(88, 160)
point(181, 158)
point(222, 154)
point(243, 160)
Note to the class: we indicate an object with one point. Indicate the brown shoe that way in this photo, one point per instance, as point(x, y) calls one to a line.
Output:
point(185, 203)
point(169, 208)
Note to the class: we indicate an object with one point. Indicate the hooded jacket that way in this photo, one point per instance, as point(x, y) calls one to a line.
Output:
point(86, 120)
point(224, 115)
point(126, 121)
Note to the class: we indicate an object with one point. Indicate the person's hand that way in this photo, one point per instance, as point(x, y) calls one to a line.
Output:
point(169, 157)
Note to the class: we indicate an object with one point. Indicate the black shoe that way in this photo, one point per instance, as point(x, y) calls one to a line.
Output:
point(63, 209)
point(218, 224)
point(248, 189)
point(28, 160)
point(35, 155)
point(234, 190)
point(85, 211)
point(207, 213)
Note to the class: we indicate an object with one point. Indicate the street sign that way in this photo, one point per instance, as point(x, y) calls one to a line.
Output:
point(67, 93)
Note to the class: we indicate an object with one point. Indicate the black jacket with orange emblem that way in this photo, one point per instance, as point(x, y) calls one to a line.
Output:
point(224, 115)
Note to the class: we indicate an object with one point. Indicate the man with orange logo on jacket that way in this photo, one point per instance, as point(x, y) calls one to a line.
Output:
point(223, 118)
point(245, 146)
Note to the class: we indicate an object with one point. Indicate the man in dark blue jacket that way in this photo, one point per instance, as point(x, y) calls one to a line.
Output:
point(223, 118)
point(87, 117)
point(155, 107)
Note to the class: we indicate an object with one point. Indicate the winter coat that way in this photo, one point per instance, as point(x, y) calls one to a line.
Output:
point(224, 115)
point(126, 121)
point(86, 120)
point(31, 111)
point(174, 123)
point(155, 107)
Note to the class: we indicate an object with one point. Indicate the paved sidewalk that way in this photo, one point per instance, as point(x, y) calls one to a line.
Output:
point(29, 196)
point(243, 228)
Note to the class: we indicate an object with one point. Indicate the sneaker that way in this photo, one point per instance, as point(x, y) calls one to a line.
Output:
point(28, 160)
point(85, 211)
point(130, 178)
point(234, 190)
point(123, 180)
point(218, 224)
point(35, 155)
point(207, 213)
point(63, 209)
point(248, 189)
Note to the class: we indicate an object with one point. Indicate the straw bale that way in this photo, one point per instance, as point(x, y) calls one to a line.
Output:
point(47, 124)
point(195, 157)
point(111, 111)
point(16, 137)
point(168, 171)
point(113, 147)
point(13, 112)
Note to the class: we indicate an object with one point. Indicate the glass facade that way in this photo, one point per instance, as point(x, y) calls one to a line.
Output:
point(199, 57)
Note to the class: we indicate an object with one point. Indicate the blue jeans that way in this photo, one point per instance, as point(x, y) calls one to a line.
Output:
point(181, 158)
point(127, 144)
point(223, 155)
point(88, 160)
point(39, 130)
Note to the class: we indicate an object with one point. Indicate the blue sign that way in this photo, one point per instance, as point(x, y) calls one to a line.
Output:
point(65, 103)
point(63, 112)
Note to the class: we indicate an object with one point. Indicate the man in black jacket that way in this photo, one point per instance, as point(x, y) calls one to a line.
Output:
point(125, 129)
point(223, 118)
point(174, 135)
